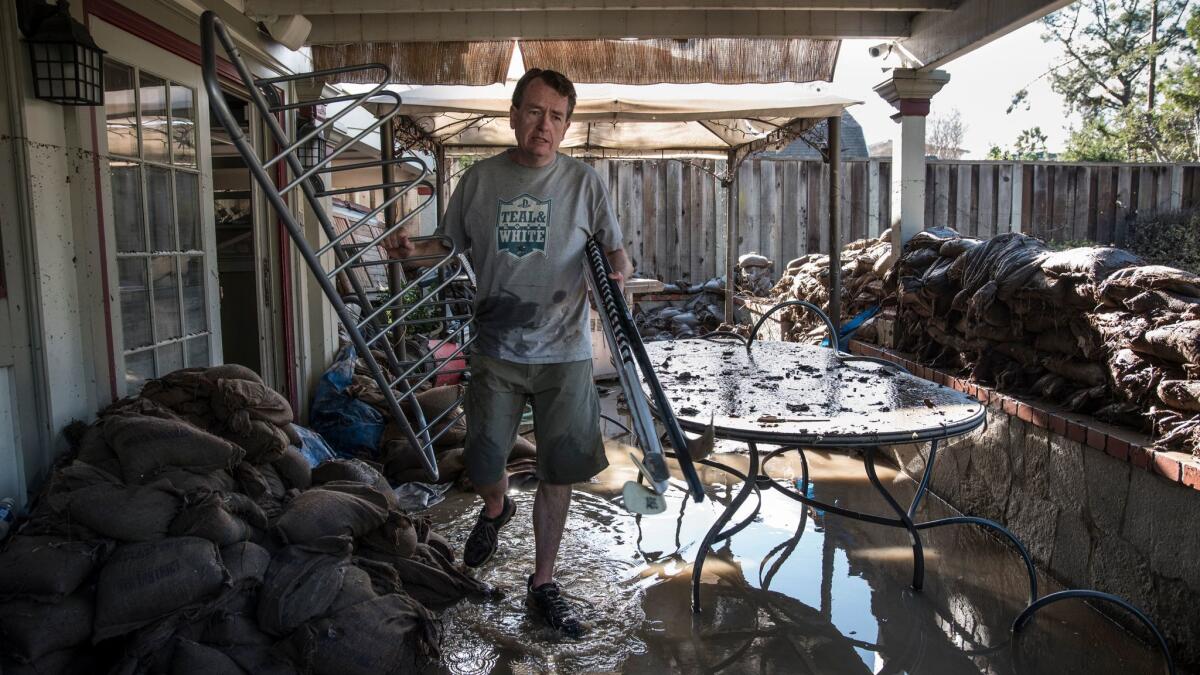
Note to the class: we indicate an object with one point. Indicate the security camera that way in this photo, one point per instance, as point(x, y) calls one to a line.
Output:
point(881, 50)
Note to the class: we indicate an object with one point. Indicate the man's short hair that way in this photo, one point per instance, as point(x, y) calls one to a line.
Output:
point(551, 78)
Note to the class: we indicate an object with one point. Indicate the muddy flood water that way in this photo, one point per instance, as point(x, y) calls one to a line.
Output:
point(795, 592)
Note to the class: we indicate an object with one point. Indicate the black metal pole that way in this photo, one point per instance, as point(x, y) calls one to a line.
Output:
point(835, 230)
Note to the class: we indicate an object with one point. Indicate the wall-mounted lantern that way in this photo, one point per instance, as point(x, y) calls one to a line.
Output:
point(313, 151)
point(68, 67)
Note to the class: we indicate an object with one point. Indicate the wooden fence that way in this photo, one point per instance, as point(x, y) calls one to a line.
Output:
point(673, 213)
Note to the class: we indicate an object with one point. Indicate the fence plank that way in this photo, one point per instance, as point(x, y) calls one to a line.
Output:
point(1008, 197)
point(986, 218)
point(941, 198)
point(963, 202)
point(720, 219)
point(672, 207)
point(789, 217)
point(768, 209)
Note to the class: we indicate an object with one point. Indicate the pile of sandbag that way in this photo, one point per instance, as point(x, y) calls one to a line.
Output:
point(189, 534)
point(1091, 328)
point(350, 411)
point(700, 315)
point(864, 269)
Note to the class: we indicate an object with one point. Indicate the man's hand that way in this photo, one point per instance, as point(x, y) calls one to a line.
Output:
point(620, 279)
point(621, 267)
point(398, 245)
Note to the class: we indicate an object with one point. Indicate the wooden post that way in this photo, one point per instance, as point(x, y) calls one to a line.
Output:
point(835, 232)
point(439, 160)
point(1018, 185)
point(731, 235)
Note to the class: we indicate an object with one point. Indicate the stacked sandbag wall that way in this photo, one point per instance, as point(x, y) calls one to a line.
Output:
point(189, 533)
point(1091, 329)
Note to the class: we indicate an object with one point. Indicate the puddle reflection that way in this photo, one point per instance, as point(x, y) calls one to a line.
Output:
point(795, 592)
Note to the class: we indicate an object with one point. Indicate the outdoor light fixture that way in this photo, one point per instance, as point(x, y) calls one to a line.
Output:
point(312, 152)
point(68, 67)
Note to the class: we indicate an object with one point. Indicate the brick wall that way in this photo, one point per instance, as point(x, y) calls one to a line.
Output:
point(1096, 506)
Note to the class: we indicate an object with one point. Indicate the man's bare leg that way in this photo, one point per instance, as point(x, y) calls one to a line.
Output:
point(493, 496)
point(549, 518)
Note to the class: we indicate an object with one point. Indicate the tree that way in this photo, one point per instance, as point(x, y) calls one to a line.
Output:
point(1106, 78)
point(1029, 146)
point(944, 137)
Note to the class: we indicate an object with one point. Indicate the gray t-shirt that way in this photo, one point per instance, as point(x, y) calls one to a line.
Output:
point(525, 229)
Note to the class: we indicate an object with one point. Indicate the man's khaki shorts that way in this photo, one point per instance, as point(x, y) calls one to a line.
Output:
point(566, 417)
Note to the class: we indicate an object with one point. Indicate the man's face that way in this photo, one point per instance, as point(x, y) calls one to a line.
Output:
point(540, 123)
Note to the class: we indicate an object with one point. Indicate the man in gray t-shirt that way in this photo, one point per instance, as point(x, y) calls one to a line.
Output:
point(524, 217)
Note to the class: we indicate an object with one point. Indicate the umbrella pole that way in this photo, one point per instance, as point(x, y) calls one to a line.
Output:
point(731, 234)
point(835, 230)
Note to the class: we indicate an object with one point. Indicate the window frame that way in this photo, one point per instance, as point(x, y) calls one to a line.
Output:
point(141, 56)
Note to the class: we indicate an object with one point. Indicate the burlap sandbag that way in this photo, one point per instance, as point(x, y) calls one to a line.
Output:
point(147, 445)
point(237, 402)
point(1083, 372)
point(432, 579)
point(388, 635)
point(396, 538)
point(123, 512)
point(143, 582)
point(293, 468)
point(74, 661)
point(1132, 281)
point(78, 475)
point(1178, 343)
point(262, 441)
point(191, 658)
point(351, 470)
point(180, 388)
point(1181, 394)
point(205, 515)
point(1092, 264)
point(189, 481)
point(46, 567)
point(246, 563)
point(231, 371)
point(33, 629)
point(443, 404)
point(335, 508)
point(261, 660)
point(356, 587)
point(94, 450)
point(301, 583)
point(235, 624)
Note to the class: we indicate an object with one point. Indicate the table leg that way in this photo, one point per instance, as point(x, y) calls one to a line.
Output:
point(923, 487)
point(913, 535)
point(714, 533)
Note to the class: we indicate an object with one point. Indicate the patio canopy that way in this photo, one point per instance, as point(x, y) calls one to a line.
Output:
point(629, 121)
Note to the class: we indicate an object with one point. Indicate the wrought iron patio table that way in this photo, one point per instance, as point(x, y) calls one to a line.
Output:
point(799, 397)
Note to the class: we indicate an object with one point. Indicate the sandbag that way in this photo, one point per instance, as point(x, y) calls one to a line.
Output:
point(246, 563)
point(450, 465)
point(351, 470)
point(78, 475)
point(205, 515)
point(396, 538)
point(356, 587)
point(261, 660)
point(62, 662)
point(231, 371)
point(301, 583)
point(1083, 372)
point(191, 658)
point(239, 401)
point(1131, 281)
point(1181, 394)
point(147, 445)
point(522, 448)
point(179, 389)
point(334, 508)
point(123, 512)
point(46, 567)
point(1092, 264)
point(33, 629)
point(293, 468)
point(392, 634)
point(143, 582)
point(431, 579)
point(189, 481)
point(1178, 343)
point(261, 441)
point(94, 451)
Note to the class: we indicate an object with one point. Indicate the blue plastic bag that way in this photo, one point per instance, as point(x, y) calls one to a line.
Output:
point(313, 447)
point(351, 427)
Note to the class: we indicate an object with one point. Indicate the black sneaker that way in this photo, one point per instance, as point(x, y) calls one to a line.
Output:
point(484, 537)
point(552, 606)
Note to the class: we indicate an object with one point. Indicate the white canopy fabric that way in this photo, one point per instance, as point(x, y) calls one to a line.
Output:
point(664, 120)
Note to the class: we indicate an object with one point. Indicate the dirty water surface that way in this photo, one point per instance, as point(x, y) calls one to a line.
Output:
point(795, 592)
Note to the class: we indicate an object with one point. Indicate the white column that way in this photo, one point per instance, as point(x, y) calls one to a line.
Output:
point(908, 179)
point(909, 91)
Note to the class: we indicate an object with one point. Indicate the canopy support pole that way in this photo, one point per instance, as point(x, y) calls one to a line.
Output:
point(731, 235)
point(439, 159)
point(835, 231)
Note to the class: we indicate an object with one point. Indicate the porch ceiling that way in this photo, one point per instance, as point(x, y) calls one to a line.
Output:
point(931, 31)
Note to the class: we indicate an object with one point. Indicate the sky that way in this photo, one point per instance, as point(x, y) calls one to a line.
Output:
point(981, 87)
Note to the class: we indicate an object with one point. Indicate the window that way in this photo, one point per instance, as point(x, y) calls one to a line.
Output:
point(161, 262)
